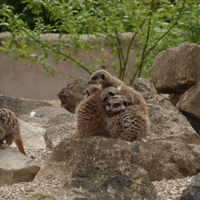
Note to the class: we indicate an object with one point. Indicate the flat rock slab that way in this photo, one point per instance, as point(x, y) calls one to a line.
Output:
point(15, 167)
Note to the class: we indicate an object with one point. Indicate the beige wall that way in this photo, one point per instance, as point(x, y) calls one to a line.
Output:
point(26, 80)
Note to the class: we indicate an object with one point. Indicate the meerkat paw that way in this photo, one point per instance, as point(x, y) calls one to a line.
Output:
point(4, 145)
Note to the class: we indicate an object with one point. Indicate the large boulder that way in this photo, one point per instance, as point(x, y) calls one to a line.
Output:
point(189, 102)
point(106, 179)
point(166, 121)
point(93, 168)
point(161, 159)
point(15, 167)
point(176, 69)
point(71, 95)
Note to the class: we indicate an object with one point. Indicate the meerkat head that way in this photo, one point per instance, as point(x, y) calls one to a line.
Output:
point(99, 77)
point(106, 94)
point(90, 91)
point(116, 104)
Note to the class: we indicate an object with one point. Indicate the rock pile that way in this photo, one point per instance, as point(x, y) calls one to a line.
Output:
point(176, 71)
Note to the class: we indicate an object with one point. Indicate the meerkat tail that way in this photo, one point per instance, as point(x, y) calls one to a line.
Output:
point(20, 146)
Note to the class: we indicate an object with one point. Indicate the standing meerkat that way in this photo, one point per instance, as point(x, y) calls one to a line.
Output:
point(91, 116)
point(133, 97)
point(105, 79)
point(125, 121)
point(10, 130)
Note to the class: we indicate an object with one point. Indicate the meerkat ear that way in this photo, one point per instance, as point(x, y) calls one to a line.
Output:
point(103, 77)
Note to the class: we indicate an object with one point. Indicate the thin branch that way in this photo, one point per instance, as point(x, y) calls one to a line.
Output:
point(65, 55)
point(175, 23)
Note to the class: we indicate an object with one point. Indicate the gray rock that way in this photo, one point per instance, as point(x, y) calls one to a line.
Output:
point(15, 167)
point(71, 95)
point(161, 159)
point(32, 136)
point(48, 116)
point(166, 121)
point(193, 190)
point(21, 106)
point(176, 69)
point(41, 196)
point(189, 102)
point(96, 170)
point(35, 125)
point(55, 134)
point(111, 180)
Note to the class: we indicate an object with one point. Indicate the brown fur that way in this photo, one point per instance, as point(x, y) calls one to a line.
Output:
point(126, 122)
point(10, 130)
point(134, 97)
point(105, 79)
point(91, 116)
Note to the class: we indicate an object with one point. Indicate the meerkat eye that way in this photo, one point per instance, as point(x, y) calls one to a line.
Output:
point(111, 94)
point(103, 77)
point(105, 99)
point(109, 105)
point(125, 103)
point(116, 105)
point(94, 78)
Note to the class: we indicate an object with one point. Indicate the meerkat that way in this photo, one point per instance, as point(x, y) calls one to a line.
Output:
point(10, 130)
point(105, 79)
point(91, 116)
point(125, 121)
point(132, 96)
point(106, 94)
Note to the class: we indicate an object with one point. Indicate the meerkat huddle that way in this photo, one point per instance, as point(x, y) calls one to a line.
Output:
point(111, 109)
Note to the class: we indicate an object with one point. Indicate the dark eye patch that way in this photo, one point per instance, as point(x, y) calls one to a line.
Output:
point(125, 103)
point(105, 99)
point(116, 105)
point(103, 77)
point(111, 94)
point(94, 78)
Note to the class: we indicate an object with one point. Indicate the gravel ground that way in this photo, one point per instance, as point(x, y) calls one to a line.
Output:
point(166, 189)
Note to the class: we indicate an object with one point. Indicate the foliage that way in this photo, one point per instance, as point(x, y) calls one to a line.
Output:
point(155, 26)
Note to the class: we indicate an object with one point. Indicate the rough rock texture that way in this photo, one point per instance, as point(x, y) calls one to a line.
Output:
point(189, 102)
point(177, 72)
point(193, 190)
point(166, 121)
point(176, 69)
point(95, 170)
point(32, 135)
point(161, 159)
point(55, 134)
point(71, 95)
point(41, 196)
point(49, 116)
point(111, 180)
point(15, 167)
point(35, 124)
point(21, 106)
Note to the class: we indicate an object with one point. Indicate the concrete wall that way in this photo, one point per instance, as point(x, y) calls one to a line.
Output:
point(26, 80)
